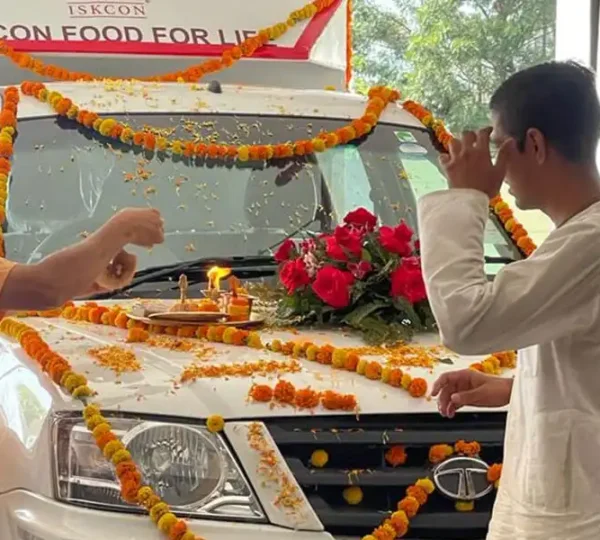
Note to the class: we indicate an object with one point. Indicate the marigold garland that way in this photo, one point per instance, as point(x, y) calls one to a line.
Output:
point(151, 140)
point(495, 363)
point(499, 207)
point(8, 124)
point(194, 73)
point(126, 470)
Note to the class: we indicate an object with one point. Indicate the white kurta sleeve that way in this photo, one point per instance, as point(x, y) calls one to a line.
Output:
point(529, 302)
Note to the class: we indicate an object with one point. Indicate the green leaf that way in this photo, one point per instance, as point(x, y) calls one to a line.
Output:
point(356, 317)
point(447, 361)
point(365, 255)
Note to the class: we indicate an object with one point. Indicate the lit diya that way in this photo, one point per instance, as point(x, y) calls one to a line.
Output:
point(238, 303)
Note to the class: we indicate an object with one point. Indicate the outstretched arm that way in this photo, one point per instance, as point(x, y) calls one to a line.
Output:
point(74, 271)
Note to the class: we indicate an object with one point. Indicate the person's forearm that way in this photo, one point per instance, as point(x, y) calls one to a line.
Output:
point(64, 275)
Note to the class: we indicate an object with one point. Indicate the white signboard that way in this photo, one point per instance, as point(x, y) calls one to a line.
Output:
point(158, 27)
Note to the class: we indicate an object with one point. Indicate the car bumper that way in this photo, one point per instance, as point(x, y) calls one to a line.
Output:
point(25, 516)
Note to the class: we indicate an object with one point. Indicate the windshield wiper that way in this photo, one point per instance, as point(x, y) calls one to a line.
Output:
point(259, 265)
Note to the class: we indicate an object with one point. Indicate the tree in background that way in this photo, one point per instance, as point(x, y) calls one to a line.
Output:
point(450, 54)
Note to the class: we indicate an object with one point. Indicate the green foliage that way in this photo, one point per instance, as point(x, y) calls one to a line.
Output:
point(450, 54)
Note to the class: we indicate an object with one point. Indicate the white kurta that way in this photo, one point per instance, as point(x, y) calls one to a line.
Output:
point(548, 307)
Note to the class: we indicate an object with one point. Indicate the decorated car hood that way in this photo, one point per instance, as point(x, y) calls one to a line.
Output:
point(156, 387)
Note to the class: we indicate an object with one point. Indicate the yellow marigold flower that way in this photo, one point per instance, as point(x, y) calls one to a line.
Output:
point(9, 129)
point(319, 458)
point(101, 430)
point(112, 448)
point(166, 522)
point(298, 350)
point(120, 456)
point(145, 493)
point(72, 112)
point(211, 333)
point(338, 359)
point(215, 423)
point(369, 537)
point(228, 335)
point(399, 516)
point(385, 374)
point(243, 153)
point(426, 484)
point(276, 345)
point(406, 380)
point(126, 135)
point(82, 391)
point(353, 495)
point(464, 506)
point(158, 511)
point(189, 535)
point(311, 352)
point(254, 341)
point(177, 148)
point(106, 126)
point(91, 410)
point(161, 144)
point(361, 368)
point(94, 421)
point(96, 124)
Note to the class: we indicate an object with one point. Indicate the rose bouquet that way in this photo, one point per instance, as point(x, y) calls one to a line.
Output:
point(361, 275)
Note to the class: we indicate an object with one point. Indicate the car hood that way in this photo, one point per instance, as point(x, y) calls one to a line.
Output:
point(157, 388)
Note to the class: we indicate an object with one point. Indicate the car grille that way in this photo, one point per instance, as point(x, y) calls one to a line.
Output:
point(356, 449)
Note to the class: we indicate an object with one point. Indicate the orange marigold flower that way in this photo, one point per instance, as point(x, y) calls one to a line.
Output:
point(186, 331)
point(325, 354)
point(121, 320)
point(307, 398)
point(126, 467)
point(285, 392)
point(395, 379)
point(396, 455)
point(467, 448)
point(410, 506)
point(178, 530)
point(439, 452)
point(399, 520)
point(417, 493)
point(494, 473)
point(351, 362)
point(418, 387)
point(261, 392)
point(385, 532)
point(373, 371)
point(104, 439)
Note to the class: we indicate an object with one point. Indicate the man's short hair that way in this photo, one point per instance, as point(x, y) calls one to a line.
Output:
point(557, 98)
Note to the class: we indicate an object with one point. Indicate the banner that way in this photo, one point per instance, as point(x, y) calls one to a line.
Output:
point(157, 27)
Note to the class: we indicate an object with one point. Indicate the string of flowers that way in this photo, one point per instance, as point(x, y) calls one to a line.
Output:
point(285, 393)
point(441, 452)
point(133, 491)
point(8, 124)
point(194, 73)
point(498, 206)
point(337, 358)
point(495, 363)
point(151, 140)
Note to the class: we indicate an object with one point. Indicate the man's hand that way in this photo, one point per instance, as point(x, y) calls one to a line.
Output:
point(469, 163)
point(141, 226)
point(119, 272)
point(458, 389)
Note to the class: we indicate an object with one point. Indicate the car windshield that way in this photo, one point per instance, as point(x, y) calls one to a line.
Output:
point(67, 181)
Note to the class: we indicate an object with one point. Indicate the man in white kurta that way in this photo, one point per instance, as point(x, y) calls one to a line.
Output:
point(547, 306)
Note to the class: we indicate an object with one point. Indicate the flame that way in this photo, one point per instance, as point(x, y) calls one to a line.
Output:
point(215, 275)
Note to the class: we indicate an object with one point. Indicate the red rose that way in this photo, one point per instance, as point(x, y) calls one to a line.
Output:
point(396, 239)
point(293, 275)
point(334, 250)
point(285, 251)
point(361, 269)
point(362, 219)
point(407, 281)
point(350, 240)
point(332, 285)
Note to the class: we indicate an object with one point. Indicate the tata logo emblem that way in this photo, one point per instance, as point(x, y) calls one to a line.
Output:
point(462, 478)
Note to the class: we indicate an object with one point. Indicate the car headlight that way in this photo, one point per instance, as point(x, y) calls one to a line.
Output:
point(190, 468)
